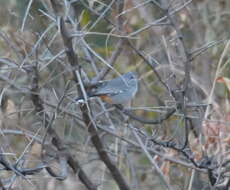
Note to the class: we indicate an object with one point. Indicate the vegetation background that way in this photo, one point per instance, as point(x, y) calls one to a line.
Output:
point(174, 134)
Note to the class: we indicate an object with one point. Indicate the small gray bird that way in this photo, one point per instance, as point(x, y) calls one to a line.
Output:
point(119, 90)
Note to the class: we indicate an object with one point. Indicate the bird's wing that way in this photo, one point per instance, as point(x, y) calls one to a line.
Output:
point(105, 88)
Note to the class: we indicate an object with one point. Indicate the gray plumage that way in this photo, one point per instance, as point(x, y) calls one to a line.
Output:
point(121, 89)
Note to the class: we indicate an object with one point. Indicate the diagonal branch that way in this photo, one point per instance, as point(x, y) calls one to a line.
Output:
point(86, 115)
point(56, 140)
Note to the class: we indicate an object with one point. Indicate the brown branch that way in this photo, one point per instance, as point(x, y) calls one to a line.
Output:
point(146, 121)
point(185, 90)
point(111, 61)
point(89, 123)
point(152, 66)
point(10, 167)
point(56, 140)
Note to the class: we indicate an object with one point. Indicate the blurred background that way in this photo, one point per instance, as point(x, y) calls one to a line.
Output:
point(160, 41)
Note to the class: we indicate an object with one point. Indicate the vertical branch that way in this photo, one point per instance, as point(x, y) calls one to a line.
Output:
point(187, 69)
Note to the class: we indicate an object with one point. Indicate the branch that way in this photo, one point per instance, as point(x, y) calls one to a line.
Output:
point(146, 121)
point(56, 140)
point(86, 115)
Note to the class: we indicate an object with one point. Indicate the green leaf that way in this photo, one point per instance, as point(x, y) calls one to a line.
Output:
point(85, 16)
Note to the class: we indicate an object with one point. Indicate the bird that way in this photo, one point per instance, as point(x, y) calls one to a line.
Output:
point(119, 90)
